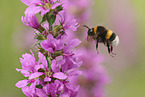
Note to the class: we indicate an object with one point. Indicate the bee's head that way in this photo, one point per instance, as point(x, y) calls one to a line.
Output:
point(90, 31)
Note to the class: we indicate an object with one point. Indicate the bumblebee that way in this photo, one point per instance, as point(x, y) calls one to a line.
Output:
point(102, 35)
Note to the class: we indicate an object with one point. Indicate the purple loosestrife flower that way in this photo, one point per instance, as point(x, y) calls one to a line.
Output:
point(51, 44)
point(57, 66)
point(31, 21)
point(70, 90)
point(94, 76)
point(43, 6)
point(57, 80)
point(77, 9)
point(68, 22)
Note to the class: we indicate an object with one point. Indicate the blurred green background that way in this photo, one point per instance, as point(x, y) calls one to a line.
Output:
point(126, 69)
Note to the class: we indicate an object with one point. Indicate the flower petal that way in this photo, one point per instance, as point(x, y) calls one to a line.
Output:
point(36, 74)
point(33, 9)
point(21, 83)
point(40, 93)
point(32, 87)
point(37, 67)
point(71, 87)
point(60, 45)
point(26, 91)
point(74, 72)
point(44, 11)
point(54, 66)
point(26, 73)
point(27, 2)
point(60, 75)
point(42, 59)
point(74, 43)
point(47, 79)
point(55, 5)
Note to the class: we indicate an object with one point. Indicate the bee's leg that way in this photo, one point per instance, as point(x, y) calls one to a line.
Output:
point(97, 47)
point(112, 50)
point(109, 49)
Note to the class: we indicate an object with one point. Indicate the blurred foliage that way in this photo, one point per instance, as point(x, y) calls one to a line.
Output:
point(130, 82)
point(10, 20)
point(139, 8)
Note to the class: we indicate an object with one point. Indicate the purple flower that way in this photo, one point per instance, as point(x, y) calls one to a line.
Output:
point(68, 60)
point(51, 89)
point(71, 44)
point(31, 68)
point(44, 82)
point(51, 44)
point(94, 76)
point(70, 90)
point(43, 6)
point(68, 22)
point(55, 72)
point(31, 21)
point(77, 9)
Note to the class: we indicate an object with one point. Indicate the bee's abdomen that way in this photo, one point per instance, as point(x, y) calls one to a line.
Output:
point(108, 34)
point(112, 37)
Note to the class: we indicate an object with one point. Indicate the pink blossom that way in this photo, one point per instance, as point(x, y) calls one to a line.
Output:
point(31, 21)
point(39, 76)
point(50, 75)
point(68, 22)
point(36, 6)
point(78, 9)
point(51, 44)
point(94, 75)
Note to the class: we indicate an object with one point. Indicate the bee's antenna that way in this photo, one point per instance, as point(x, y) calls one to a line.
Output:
point(86, 26)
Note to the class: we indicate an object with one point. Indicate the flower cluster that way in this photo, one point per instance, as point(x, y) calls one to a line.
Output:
point(78, 9)
point(43, 6)
point(51, 75)
point(94, 76)
point(43, 81)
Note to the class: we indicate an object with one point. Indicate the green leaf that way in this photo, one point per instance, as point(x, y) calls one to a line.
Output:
point(49, 61)
point(59, 8)
point(39, 86)
point(43, 19)
point(50, 19)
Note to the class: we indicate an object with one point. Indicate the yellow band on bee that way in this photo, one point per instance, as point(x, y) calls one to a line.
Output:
point(109, 33)
point(95, 30)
